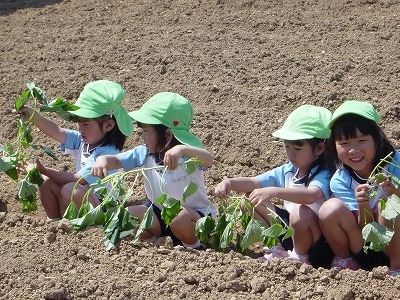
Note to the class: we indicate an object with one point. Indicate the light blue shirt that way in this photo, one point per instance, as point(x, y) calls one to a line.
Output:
point(284, 177)
point(344, 183)
point(84, 159)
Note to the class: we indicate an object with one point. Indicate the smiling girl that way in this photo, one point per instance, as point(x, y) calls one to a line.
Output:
point(103, 125)
point(356, 146)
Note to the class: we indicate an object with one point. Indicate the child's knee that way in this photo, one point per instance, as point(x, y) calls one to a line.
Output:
point(330, 208)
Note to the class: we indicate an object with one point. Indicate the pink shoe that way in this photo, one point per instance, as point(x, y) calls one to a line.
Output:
point(344, 263)
point(274, 252)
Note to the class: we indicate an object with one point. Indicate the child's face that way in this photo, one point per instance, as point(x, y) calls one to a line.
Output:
point(149, 136)
point(302, 156)
point(358, 153)
point(91, 131)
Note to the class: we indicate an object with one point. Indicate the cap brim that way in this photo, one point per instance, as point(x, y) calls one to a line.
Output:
point(285, 134)
point(85, 113)
point(187, 138)
point(139, 116)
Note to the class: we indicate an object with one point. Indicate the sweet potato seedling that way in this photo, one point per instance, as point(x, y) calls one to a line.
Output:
point(21, 151)
point(377, 236)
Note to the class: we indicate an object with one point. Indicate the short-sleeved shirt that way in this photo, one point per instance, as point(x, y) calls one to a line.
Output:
point(85, 158)
point(285, 177)
point(345, 181)
point(170, 182)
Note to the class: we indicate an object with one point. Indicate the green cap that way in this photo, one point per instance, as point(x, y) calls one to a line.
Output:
point(173, 111)
point(104, 97)
point(305, 122)
point(363, 109)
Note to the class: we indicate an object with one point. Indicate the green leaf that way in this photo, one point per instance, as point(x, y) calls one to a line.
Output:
point(204, 227)
point(12, 173)
point(61, 108)
point(245, 218)
point(170, 209)
point(84, 209)
point(71, 212)
point(29, 205)
point(27, 190)
point(274, 231)
point(190, 189)
point(254, 233)
point(34, 177)
point(147, 222)
point(21, 101)
point(227, 235)
point(377, 235)
point(239, 242)
point(95, 216)
point(392, 208)
point(270, 241)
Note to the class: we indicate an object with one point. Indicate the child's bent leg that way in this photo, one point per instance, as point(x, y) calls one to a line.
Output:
point(304, 221)
point(76, 193)
point(340, 228)
point(138, 211)
point(50, 196)
point(184, 224)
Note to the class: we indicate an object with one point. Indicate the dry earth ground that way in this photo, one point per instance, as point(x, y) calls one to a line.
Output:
point(245, 65)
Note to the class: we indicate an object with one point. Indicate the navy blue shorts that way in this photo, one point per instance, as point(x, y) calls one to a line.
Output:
point(321, 254)
point(371, 259)
point(165, 230)
point(284, 214)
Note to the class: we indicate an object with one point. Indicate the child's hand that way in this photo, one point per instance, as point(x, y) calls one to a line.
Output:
point(260, 196)
point(99, 168)
point(26, 112)
point(172, 157)
point(361, 194)
point(222, 189)
point(387, 185)
point(24, 169)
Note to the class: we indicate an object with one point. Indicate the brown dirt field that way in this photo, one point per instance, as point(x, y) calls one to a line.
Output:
point(245, 65)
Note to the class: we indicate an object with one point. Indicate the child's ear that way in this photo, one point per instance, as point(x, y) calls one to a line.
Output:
point(320, 148)
point(168, 135)
point(110, 124)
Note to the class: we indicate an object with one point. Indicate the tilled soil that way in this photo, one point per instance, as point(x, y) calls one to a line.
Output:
point(245, 65)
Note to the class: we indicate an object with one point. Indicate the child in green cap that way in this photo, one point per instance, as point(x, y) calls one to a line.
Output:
point(356, 146)
point(302, 184)
point(164, 122)
point(103, 125)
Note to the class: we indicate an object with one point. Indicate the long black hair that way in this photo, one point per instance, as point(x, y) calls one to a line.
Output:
point(114, 136)
point(346, 127)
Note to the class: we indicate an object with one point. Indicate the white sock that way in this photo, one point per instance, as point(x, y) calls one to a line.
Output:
point(195, 245)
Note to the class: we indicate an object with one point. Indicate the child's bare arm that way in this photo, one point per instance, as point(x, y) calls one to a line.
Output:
point(172, 156)
point(104, 163)
point(47, 126)
point(59, 176)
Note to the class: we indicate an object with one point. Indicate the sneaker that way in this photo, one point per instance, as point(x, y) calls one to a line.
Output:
point(274, 252)
point(201, 248)
point(303, 258)
point(344, 263)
